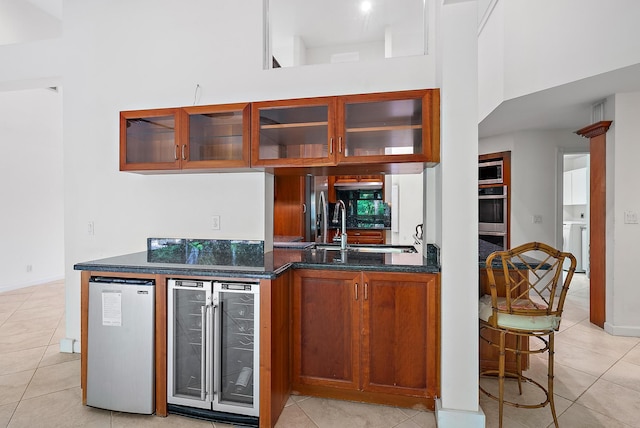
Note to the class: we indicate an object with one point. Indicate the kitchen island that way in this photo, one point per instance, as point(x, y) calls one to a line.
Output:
point(283, 274)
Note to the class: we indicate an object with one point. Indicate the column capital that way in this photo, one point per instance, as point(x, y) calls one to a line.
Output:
point(595, 129)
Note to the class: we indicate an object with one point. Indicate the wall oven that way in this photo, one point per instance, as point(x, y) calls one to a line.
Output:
point(492, 214)
point(490, 172)
point(213, 349)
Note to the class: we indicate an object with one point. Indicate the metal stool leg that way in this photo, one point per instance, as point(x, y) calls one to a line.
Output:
point(550, 379)
point(501, 370)
point(519, 362)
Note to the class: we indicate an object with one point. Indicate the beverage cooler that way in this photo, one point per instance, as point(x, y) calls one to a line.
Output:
point(213, 349)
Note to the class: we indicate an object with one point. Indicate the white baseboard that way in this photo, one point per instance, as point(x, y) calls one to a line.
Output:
point(25, 284)
point(622, 330)
point(69, 345)
point(452, 418)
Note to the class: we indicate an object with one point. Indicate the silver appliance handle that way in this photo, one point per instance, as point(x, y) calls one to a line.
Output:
point(210, 309)
point(490, 163)
point(203, 355)
point(216, 346)
point(492, 197)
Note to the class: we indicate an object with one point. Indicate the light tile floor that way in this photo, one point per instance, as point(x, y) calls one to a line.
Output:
point(597, 378)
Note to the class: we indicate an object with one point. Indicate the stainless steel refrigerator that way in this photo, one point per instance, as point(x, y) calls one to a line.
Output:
point(120, 348)
point(213, 345)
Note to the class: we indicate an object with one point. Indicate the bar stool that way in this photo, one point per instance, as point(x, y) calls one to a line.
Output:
point(528, 305)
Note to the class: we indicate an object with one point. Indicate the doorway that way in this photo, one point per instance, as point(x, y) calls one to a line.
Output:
point(575, 208)
point(575, 218)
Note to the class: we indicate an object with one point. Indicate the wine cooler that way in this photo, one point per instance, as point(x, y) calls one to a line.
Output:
point(213, 346)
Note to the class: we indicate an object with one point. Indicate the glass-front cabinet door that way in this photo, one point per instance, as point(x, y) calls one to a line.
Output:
point(148, 139)
point(389, 127)
point(216, 137)
point(293, 132)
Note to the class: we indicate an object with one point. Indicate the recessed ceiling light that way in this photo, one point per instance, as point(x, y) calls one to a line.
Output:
point(365, 6)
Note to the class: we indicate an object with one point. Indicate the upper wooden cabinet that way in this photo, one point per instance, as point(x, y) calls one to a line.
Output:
point(191, 138)
point(375, 128)
point(389, 132)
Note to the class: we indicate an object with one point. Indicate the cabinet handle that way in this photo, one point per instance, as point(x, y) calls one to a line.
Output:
point(184, 146)
point(331, 146)
point(366, 291)
point(176, 152)
point(355, 288)
point(304, 208)
point(340, 144)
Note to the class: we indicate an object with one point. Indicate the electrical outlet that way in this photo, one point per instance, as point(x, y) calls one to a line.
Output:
point(90, 228)
point(630, 217)
point(215, 222)
point(29, 268)
point(537, 218)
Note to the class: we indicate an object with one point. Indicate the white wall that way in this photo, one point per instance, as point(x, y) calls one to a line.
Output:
point(534, 178)
point(491, 53)
point(410, 199)
point(121, 55)
point(623, 292)
point(547, 43)
point(30, 65)
point(32, 189)
point(20, 21)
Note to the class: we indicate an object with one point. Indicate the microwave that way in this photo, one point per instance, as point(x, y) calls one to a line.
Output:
point(490, 172)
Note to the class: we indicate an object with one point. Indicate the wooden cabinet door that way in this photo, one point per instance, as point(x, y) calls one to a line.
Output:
point(325, 329)
point(288, 206)
point(400, 343)
point(149, 139)
point(216, 136)
point(293, 132)
point(389, 127)
point(365, 236)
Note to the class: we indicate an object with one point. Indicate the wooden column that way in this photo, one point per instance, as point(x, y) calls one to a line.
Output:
point(597, 218)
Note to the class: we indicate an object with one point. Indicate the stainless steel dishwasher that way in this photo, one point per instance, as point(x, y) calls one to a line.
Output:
point(120, 348)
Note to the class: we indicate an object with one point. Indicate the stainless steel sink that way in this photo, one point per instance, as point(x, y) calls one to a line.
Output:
point(368, 248)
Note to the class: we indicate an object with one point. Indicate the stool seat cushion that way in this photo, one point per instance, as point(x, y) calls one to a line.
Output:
point(528, 322)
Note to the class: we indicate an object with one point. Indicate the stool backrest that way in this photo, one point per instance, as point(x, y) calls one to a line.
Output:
point(534, 281)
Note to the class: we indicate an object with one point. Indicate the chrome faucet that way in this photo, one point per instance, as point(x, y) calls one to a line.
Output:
point(343, 236)
point(324, 215)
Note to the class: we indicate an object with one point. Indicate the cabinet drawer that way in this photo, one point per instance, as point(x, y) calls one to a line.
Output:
point(365, 236)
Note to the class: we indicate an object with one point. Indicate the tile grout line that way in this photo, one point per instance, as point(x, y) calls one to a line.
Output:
point(306, 414)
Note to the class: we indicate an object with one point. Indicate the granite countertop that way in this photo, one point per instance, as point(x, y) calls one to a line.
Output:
point(484, 249)
point(141, 263)
point(369, 261)
point(269, 265)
